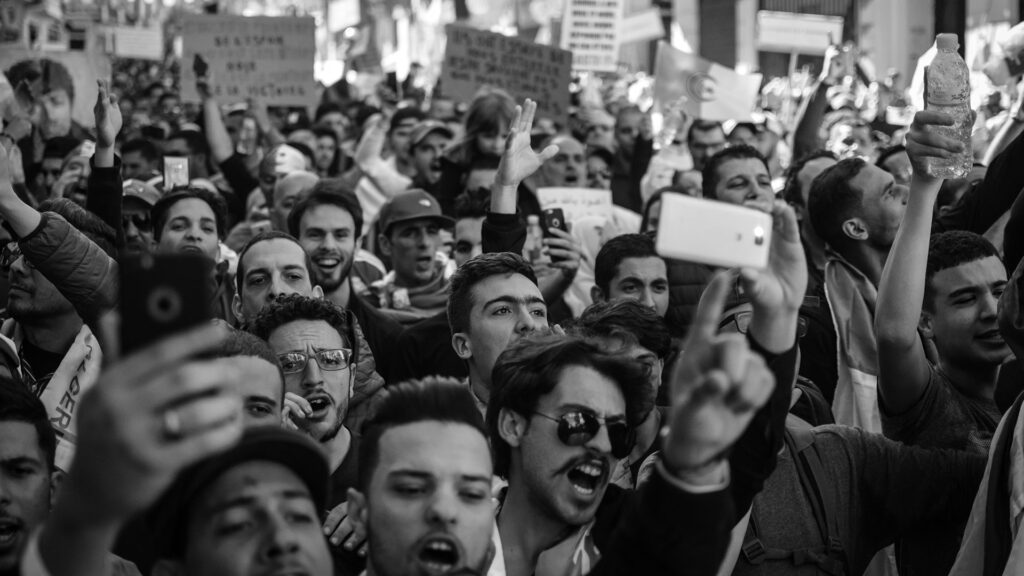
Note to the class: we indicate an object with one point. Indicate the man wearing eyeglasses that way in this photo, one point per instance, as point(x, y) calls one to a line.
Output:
point(313, 341)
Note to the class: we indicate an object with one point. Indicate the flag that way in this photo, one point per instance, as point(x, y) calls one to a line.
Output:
point(703, 89)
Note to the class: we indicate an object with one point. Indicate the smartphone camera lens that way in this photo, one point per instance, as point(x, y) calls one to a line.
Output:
point(758, 236)
point(164, 305)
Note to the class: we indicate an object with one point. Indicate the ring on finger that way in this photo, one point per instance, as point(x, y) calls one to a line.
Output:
point(172, 424)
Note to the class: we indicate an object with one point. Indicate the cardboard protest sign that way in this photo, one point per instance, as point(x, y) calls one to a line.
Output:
point(591, 31)
point(641, 27)
point(577, 203)
point(702, 89)
point(476, 58)
point(251, 57)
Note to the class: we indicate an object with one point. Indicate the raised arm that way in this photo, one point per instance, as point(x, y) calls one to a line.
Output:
point(105, 186)
point(217, 136)
point(21, 217)
point(902, 364)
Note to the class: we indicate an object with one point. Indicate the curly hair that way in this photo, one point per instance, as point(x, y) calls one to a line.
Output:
point(294, 307)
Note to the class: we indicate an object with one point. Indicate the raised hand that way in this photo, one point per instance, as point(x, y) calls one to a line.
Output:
point(924, 143)
point(108, 116)
point(371, 144)
point(783, 284)
point(717, 386)
point(520, 160)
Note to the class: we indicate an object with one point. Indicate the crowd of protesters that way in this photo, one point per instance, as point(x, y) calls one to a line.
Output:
point(401, 378)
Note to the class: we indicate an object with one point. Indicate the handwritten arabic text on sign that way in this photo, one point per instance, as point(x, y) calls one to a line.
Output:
point(592, 33)
point(577, 202)
point(251, 57)
point(475, 58)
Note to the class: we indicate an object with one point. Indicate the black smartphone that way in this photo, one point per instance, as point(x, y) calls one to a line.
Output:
point(162, 295)
point(553, 218)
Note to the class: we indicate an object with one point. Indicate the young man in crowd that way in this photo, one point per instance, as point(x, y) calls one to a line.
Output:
point(628, 268)
point(417, 286)
point(427, 143)
point(328, 224)
point(634, 148)
point(288, 190)
point(945, 288)
point(140, 160)
point(136, 219)
point(316, 348)
point(705, 139)
point(189, 144)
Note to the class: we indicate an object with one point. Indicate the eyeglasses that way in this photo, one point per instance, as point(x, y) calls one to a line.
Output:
point(742, 322)
point(10, 254)
point(330, 360)
point(142, 222)
point(577, 427)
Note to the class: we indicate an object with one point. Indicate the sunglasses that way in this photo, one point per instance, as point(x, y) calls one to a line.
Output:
point(577, 427)
point(10, 254)
point(329, 360)
point(142, 222)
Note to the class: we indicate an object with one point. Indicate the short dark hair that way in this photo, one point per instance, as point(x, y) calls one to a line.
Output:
point(434, 399)
point(324, 131)
point(304, 150)
point(531, 367)
point(163, 206)
point(473, 204)
point(710, 175)
point(703, 126)
point(19, 404)
point(263, 237)
point(403, 114)
point(60, 147)
point(195, 140)
point(617, 249)
point(889, 152)
point(949, 250)
point(329, 191)
point(833, 200)
point(241, 343)
point(474, 271)
point(143, 146)
point(294, 307)
point(629, 321)
point(85, 222)
point(326, 108)
point(791, 192)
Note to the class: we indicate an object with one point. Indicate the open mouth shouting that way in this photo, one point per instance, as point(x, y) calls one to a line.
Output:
point(328, 262)
point(439, 554)
point(320, 402)
point(10, 531)
point(588, 477)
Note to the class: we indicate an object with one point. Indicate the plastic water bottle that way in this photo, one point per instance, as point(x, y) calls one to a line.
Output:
point(948, 89)
point(534, 246)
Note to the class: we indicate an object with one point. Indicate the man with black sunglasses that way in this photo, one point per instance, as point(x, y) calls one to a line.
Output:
point(562, 414)
point(136, 222)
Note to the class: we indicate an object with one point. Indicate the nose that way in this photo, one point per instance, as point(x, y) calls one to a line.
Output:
point(277, 287)
point(281, 540)
point(601, 442)
point(526, 322)
point(989, 306)
point(443, 508)
point(312, 377)
point(193, 233)
point(18, 267)
point(647, 298)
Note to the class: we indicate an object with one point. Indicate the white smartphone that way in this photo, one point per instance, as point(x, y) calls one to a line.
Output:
point(175, 172)
point(712, 232)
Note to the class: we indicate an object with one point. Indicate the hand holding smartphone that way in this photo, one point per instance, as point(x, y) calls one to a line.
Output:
point(712, 232)
point(162, 295)
point(553, 218)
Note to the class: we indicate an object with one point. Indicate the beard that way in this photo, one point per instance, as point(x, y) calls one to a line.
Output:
point(339, 421)
point(329, 283)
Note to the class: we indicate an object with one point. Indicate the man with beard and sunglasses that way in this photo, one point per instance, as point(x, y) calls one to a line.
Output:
point(328, 225)
point(560, 417)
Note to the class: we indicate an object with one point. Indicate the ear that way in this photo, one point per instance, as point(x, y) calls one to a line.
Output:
point(318, 293)
point(855, 229)
point(357, 511)
point(596, 294)
point(384, 243)
point(462, 346)
point(236, 308)
point(167, 568)
point(56, 479)
point(925, 325)
point(511, 427)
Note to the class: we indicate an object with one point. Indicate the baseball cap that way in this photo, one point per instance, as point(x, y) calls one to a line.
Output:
point(294, 451)
point(404, 114)
point(426, 128)
point(143, 191)
point(411, 205)
point(283, 159)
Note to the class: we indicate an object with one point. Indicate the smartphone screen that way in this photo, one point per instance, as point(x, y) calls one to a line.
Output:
point(175, 172)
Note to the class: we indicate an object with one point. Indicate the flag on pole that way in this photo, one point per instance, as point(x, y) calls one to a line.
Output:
point(701, 88)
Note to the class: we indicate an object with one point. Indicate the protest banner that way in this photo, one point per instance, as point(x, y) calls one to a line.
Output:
point(641, 27)
point(800, 33)
point(577, 203)
point(475, 58)
point(251, 57)
point(700, 88)
point(591, 32)
point(134, 42)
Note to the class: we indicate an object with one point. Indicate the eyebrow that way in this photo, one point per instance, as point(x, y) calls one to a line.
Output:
point(20, 460)
point(288, 494)
point(975, 288)
point(515, 300)
point(421, 475)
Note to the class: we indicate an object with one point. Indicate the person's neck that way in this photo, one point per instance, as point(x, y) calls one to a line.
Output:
point(337, 448)
point(814, 246)
point(478, 386)
point(977, 380)
point(415, 283)
point(341, 295)
point(54, 334)
point(526, 532)
point(868, 260)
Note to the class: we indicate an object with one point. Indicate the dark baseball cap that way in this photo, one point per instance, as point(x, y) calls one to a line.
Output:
point(412, 204)
point(296, 452)
point(142, 191)
point(426, 128)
